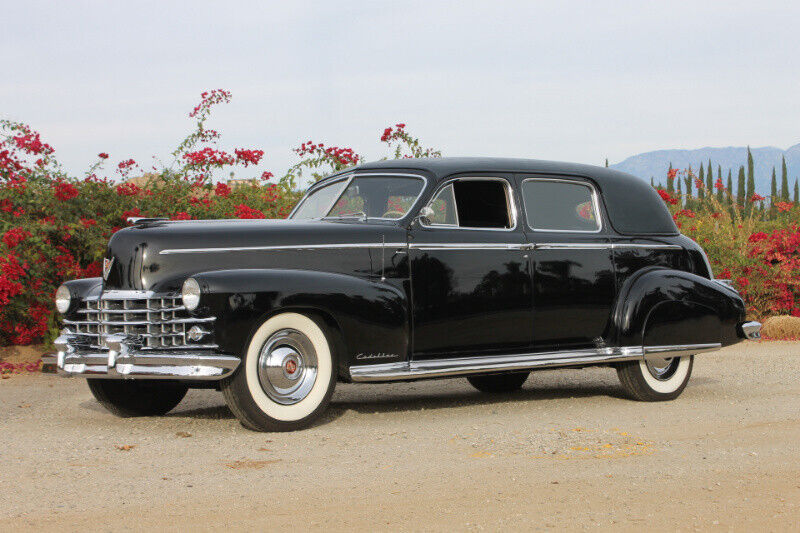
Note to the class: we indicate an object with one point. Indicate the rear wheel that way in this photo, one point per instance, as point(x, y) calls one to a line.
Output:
point(127, 398)
point(654, 380)
point(497, 383)
point(287, 376)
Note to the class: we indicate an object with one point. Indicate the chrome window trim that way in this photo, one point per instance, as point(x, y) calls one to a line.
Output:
point(350, 177)
point(511, 205)
point(435, 368)
point(595, 204)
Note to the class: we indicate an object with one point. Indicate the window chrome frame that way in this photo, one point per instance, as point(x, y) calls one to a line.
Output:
point(349, 177)
point(511, 205)
point(595, 196)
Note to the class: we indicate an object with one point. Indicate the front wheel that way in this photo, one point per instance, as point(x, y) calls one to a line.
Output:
point(287, 376)
point(126, 398)
point(654, 380)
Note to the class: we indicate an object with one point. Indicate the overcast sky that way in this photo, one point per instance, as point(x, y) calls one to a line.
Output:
point(576, 81)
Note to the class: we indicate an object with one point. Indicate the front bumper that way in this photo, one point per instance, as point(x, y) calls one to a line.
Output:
point(121, 360)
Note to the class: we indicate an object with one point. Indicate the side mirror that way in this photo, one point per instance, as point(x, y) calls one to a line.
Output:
point(425, 215)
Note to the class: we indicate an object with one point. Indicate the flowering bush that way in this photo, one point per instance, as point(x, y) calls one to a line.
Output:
point(755, 246)
point(54, 227)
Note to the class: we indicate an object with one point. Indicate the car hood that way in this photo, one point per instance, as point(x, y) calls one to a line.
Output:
point(160, 255)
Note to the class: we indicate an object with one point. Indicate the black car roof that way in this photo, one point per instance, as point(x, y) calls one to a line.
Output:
point(633, 205)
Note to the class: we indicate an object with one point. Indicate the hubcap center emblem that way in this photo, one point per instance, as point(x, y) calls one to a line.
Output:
point(291, 366)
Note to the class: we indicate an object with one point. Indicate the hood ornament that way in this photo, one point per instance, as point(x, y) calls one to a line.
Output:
point(107, 267)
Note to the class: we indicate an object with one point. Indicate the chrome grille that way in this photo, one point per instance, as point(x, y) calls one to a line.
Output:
point(148, 320)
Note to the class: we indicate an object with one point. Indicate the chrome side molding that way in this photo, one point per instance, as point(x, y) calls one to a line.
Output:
point(438, 368)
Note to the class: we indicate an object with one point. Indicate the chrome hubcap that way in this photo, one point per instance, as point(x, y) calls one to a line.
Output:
point(662, 369)
point(287, 366)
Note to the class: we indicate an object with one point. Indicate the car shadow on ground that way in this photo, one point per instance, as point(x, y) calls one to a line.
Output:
point(376, 401)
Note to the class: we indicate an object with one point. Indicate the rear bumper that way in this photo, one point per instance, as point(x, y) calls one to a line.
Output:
point(749, 330)
point(122, 361)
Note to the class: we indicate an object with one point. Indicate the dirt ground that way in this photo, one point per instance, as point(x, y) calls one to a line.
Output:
point(568, 451)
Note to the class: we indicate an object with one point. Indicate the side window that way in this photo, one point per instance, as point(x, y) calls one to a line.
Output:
point(552, 205)
point(473, 203)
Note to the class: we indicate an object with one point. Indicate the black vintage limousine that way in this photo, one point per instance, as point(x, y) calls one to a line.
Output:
point(400, 270)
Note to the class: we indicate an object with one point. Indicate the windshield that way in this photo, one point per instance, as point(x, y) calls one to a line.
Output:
point(362, 197)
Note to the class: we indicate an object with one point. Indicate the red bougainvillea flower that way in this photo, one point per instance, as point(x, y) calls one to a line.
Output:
point(88, 222)
point(756, 198)
point(667, 197)
point(244, 211)
point(387, 134)
point(783, 206)
point(686, 213)
point(64, 191)
point(102, 155)
point(743, 282)
point(222, 189)
point(209, 99)
point(716, 214)
point(267, 175)
point(181, 215)
point(209, 157)
point(128, 189)
point(671, 173)
point(718, 184)
point(14, 236)
point(248, 157)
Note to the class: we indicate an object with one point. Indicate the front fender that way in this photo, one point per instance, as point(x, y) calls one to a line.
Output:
point(370, 317)
point(668, 307)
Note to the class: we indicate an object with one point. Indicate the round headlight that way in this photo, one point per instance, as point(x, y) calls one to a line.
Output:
point(191, 294)
point(63, 299)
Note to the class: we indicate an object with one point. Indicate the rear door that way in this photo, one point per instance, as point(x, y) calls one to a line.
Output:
point(571, 265)
point(469, 272)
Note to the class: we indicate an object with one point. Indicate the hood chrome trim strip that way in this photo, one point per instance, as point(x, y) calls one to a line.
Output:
point(279, 248)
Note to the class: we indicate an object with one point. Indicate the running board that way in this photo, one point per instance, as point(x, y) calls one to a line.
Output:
point(438, 368)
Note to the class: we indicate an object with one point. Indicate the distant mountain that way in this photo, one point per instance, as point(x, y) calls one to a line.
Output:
point(655, 164)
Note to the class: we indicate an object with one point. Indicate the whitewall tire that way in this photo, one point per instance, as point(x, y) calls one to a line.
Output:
point(656, 379)
point(287, 375)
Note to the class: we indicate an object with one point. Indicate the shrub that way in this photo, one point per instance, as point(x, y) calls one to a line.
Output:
point(54, 227)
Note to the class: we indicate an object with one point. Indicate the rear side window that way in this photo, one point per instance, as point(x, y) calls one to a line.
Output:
point(555, 205)
point(473, 203)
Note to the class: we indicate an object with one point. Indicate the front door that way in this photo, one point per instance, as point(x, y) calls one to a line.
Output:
point(471, 286)
point(571, 264)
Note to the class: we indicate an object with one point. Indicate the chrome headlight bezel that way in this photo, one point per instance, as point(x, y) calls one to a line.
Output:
point(63, 299)
point(191, 294)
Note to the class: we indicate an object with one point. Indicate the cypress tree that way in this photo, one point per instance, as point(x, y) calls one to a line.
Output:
point(710, 179)
point(740, 190)
point(773, 189)
point(751, 176)
point(730, 183)
point(680, 193)
point(720, 192)
point(784, 181)
point(796, 192)
point(670, 179)
point(606, 162)
point(700, 192)
point(651, 182)
point(688, 182)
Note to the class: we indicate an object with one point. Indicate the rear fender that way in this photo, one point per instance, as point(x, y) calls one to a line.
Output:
point(663, 307)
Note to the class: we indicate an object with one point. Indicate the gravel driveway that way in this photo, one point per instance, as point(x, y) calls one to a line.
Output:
point(568, 451)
